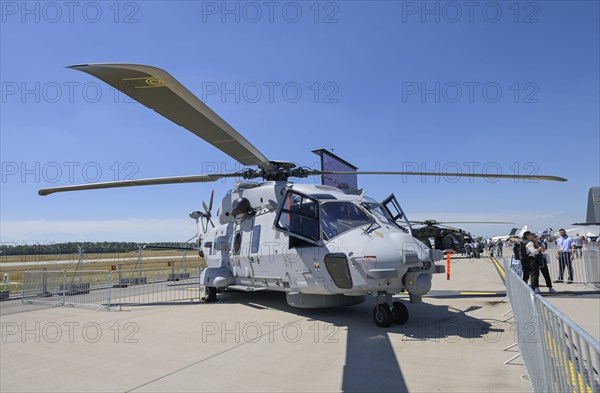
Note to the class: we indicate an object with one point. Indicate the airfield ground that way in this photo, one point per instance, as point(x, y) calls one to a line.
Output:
point(255, 342)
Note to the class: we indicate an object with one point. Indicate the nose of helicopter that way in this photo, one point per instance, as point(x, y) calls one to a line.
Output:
point(398, 249)
point(410, 248)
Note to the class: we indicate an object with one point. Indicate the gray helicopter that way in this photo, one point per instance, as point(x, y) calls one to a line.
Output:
point(321, 246)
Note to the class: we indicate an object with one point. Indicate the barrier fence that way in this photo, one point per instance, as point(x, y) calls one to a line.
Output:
point(558, 354)
point(150, 286)
point(586, 265)
point(106, 289)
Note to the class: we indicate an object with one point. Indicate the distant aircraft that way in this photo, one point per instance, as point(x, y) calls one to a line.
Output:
point(515, 232)
point(593, 208)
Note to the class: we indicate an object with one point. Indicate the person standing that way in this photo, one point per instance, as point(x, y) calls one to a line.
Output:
point(468, 250)
point(566, 247)
point(520, 251)
point(533, 249)
point(540, 263)
point(578, 243)
point(476, 249)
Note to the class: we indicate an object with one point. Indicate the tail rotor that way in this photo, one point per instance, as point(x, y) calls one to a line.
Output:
point(204, 218)
point(208, 209)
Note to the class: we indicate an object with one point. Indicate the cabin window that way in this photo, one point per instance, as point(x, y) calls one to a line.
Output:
point(255, 246)
point(299, 215)
point(222, 244)
point(237, 242)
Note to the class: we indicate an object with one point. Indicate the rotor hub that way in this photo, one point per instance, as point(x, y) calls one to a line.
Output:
point(278, 171)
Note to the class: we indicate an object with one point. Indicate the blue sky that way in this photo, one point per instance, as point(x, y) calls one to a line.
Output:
point(388, 85)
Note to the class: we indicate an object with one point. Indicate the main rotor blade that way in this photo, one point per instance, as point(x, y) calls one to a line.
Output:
point(158, 90)
point(418, 222)
point(490, 176)
point(475, 222)
point(140, 182)
point(179, 248)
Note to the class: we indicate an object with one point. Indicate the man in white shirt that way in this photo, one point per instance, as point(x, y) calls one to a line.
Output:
point(566, 248)
point(578, 243)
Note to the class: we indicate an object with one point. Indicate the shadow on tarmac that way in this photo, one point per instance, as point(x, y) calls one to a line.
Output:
point(371, 364)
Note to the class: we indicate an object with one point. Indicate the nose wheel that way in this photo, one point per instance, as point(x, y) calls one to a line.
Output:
point(382, 315)
point(387, 312)
point(399, 313)
point(211, 295)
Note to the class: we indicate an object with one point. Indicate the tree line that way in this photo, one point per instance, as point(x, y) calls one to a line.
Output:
point(74, 247)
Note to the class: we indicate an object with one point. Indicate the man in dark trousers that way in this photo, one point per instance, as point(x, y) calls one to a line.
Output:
point(532, 251)
point(540, 262)
point(566, 248)
point(520, 251)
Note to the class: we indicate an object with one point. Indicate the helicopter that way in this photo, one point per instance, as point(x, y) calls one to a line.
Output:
point(321, 246)
point(439, 236)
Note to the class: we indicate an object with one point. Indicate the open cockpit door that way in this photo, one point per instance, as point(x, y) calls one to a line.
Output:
point(391, 205)
point(298, 217)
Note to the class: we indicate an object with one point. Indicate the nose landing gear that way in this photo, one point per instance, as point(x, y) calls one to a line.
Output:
point(387, 311)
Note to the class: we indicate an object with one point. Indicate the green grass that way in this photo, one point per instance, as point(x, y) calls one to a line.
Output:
point(95, 262)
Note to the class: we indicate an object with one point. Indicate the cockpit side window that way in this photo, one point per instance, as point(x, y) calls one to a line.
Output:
point(299, 215)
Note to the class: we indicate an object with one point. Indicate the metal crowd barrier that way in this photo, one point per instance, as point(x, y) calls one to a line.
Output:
point(162, 285)
point(558, 354)
point(61, 287)
point(106, 289)
point(43, 286)
point(591, 260)
point(586, 268)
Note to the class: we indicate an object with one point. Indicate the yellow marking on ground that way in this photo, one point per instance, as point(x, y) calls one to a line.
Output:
point(560, 357)
point(499, 267)
point(478, 293)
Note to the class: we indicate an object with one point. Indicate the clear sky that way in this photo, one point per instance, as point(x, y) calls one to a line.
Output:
point(389, 85)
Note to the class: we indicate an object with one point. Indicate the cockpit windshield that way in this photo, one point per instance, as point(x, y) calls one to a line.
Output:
point(338, 217)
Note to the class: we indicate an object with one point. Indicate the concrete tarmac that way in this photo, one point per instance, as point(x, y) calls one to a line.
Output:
point(251, 342)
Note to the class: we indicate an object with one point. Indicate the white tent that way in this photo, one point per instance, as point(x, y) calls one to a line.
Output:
point(590, 234)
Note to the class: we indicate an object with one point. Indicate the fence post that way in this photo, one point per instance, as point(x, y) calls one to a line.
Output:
point(23, 288)
point(45, 281)
point(110, 286)
point(64, 287)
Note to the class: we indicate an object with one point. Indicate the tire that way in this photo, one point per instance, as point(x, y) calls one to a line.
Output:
point(211, 295)
point(399, 313)
point(382, 315)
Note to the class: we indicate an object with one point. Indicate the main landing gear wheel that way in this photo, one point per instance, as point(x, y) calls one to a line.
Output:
point(399, 313)
point(211, 295)
point(382, 315)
